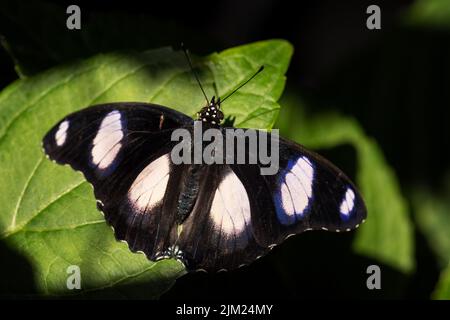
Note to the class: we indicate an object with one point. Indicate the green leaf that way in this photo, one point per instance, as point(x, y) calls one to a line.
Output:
point(387, 234)
point(432, 213)
point(48, 212)
point(442, 291)
point(429, 14)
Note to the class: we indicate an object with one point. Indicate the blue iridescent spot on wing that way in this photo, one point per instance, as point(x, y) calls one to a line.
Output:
point(294, 194)
point(347, 204)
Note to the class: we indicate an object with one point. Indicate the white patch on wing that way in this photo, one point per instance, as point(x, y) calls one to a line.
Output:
point(230, 209)
point(61, 133)
point(150, 185)
point(295, 190)
point(348, 202)
point(107, 142)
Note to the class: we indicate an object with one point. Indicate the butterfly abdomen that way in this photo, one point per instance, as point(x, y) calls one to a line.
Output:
point(190, 184)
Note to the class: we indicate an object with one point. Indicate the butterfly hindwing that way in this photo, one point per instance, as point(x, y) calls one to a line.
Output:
point(218, 233)
point(147, 215)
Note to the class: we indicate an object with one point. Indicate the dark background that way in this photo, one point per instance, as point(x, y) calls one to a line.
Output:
point(394, 81)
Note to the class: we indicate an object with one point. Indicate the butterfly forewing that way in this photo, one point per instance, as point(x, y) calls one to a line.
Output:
point(123, 150)
point(307, 193)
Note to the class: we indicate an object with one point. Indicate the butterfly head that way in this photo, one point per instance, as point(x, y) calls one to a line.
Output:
point(211, 113)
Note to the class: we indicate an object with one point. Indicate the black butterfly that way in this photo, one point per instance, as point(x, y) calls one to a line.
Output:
point(211, 217)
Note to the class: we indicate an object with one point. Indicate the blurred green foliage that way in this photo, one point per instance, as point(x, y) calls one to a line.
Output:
point(442, 291)
point(432, 214)
point(429, 14)
point(431, 207)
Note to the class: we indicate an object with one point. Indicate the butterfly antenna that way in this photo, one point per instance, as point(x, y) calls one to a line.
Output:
point(186, 53)
point(215, 89)
point(243, 84)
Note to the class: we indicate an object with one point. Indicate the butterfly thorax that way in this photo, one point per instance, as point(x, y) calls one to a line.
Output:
point(211, 113)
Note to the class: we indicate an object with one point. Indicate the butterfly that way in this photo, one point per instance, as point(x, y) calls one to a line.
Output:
point(211, 217)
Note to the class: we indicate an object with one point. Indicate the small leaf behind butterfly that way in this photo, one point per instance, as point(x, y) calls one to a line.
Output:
point(431, 211)
point(48, 212)
point(442, 290)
